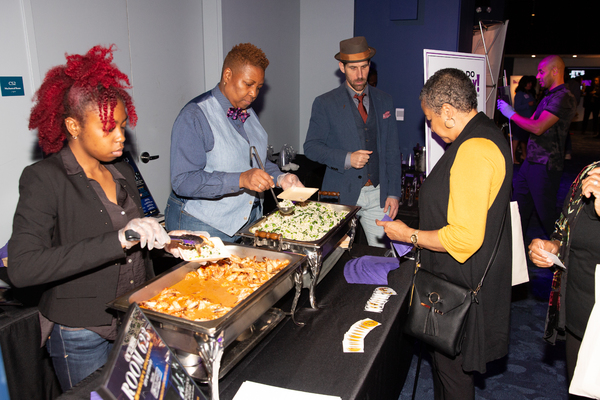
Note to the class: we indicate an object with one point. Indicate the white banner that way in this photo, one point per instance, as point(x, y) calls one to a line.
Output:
point(489, 38)
point(474, 66)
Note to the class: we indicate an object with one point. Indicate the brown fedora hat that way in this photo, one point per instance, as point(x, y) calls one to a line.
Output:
point(354, 50)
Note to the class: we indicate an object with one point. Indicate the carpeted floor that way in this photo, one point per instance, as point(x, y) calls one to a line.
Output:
point(533, 370)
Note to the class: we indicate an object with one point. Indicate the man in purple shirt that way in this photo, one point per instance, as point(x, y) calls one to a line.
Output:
point(536, 185)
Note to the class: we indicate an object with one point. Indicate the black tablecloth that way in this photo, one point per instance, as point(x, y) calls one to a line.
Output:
point(28, 367)
point(311, 358)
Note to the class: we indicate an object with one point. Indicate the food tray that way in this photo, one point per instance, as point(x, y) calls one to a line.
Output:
point(209, 338)
point(316, 250)
point(325, 244)
point(232, 324)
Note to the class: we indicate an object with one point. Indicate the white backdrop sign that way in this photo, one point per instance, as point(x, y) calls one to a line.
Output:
point(474, 66)
point(489, 39)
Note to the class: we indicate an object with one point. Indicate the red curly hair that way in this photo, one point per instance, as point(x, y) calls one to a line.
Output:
point(245, 54)
point(70, 90)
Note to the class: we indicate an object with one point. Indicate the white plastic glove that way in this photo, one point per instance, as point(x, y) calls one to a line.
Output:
point(288, 180)
point(506, 109)
point(174, 247)
point(152, 234)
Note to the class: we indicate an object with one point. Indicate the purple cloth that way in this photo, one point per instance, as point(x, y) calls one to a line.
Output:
point(401, 247)
point(95, 396)
point(370, 270)
point(3, 254)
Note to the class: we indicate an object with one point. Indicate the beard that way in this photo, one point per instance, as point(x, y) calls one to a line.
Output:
point(357, 85)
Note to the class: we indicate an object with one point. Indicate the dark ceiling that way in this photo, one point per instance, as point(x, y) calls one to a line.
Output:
point(557, 27)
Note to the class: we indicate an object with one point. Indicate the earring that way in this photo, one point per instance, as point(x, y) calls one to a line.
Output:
point(74, 137)
point(446, 123)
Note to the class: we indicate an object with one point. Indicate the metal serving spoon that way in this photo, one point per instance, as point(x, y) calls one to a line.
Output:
point(283, 210)
point(187, 240)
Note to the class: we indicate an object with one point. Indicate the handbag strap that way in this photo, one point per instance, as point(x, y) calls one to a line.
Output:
point(492, 258)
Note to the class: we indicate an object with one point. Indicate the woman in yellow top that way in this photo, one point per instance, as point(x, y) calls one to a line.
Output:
point(462, 204)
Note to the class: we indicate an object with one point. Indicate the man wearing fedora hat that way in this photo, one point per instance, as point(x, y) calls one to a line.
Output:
point(352, 131)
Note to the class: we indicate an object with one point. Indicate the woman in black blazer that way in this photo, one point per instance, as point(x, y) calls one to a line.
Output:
point(73, 210)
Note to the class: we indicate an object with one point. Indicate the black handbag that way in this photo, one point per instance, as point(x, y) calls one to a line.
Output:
point(439, 309)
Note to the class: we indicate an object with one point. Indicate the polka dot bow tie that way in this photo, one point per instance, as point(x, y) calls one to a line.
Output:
point(235, 113)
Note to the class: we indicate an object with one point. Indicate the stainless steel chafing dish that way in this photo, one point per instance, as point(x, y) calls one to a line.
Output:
point(316, 250)
point(253, 317)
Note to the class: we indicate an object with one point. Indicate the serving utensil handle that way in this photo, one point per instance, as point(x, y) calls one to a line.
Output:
point(268, 235)
point(253, 150)
point(328, 194)
point(132, 235)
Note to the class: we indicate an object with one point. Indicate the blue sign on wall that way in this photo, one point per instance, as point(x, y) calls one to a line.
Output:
point(12, 86)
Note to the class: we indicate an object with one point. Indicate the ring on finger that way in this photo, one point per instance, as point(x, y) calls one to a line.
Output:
point(595, 183)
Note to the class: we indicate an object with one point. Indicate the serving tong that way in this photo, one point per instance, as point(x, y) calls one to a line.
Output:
point(187, 240)
point(283, 210)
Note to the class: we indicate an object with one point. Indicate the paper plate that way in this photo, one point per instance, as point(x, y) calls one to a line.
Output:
point(191, 255)
point(297, 193)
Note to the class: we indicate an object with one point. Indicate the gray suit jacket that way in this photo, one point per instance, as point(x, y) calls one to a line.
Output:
point(332, 134)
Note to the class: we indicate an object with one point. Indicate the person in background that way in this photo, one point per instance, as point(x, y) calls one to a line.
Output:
point(537, 182)
point(525, 106)
point(574, 86)
point(574, 241)
point(217, 187)
point(353, 131)
point(73, 211)
point(591, 105)
point(462, 205)
point(372, 77)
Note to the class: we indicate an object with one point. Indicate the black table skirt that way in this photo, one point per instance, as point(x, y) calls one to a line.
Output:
point(29, 371)
point(310, 358)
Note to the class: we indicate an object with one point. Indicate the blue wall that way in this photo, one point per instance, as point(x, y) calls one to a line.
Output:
point(399, 57)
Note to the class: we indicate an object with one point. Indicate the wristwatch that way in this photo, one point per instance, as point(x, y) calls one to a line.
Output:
point(414, 238)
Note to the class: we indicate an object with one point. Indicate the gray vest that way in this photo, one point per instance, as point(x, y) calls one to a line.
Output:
point(367, 133)
point(231, 153)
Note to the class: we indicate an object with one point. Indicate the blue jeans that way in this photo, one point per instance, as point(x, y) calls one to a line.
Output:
point(369, 212)
point(177, 218)
point(76, 353)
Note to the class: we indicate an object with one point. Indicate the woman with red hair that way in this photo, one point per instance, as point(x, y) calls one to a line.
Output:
point(74, 207)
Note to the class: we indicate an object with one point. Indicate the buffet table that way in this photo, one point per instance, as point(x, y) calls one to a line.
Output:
point(310, 357)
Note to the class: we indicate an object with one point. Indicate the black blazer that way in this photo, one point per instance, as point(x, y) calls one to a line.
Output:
point(63, 239)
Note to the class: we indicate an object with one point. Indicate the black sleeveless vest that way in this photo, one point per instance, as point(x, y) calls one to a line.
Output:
point(488, 323)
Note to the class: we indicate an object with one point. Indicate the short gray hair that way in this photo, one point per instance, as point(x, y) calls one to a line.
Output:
point(452, 86)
